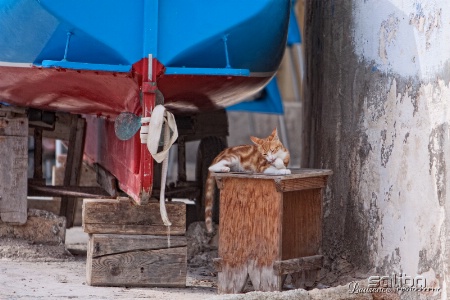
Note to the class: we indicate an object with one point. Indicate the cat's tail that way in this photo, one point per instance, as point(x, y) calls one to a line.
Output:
point(209, 202)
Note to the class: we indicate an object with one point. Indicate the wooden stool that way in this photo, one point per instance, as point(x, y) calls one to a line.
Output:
point(270, 226)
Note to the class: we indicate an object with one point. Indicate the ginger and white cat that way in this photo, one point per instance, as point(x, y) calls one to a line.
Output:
point(267, 156)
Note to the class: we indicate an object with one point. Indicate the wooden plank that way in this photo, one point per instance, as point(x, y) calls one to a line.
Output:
point(124, 216)
point(295, 265)
point(73, 166)
point(136, 260)
point(67, 191)
point(289, 184)
point(13, 170)
point(302, 223)
point(106, 244)
point(296, 173)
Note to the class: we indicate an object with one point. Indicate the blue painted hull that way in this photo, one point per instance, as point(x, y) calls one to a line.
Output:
point(202, 39)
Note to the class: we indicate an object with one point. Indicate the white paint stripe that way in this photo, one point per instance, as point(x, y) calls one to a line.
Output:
point(17, 65)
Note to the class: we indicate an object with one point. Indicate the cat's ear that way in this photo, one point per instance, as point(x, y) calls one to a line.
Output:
point(256, 140)
point(274, 135)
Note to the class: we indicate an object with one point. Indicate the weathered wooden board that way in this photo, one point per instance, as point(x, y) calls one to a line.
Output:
point(136, 260)
point(300, 179)
point(296, 265)
point(296, 173)
point(123, 216)
point(73, 168)
point(13, 169)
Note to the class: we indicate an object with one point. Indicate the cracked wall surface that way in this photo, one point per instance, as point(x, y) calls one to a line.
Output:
point(379, 86)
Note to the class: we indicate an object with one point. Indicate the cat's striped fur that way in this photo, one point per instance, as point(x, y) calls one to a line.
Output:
point(265, 156)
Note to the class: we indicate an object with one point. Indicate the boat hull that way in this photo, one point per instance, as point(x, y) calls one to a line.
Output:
point(108, 94)
point(77, 56)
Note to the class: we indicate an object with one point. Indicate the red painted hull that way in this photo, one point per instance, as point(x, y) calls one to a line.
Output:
point(80, 92)
point(121, 158)
point(107, 94)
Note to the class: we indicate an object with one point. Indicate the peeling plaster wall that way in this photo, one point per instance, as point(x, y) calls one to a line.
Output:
point(378, 73)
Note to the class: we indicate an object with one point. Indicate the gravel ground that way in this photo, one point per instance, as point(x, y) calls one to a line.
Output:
point(36, 271)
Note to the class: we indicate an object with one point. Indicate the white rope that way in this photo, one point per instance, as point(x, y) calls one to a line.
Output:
point(150, 135)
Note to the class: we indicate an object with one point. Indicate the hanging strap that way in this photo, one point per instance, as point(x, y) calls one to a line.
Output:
point(150, 135)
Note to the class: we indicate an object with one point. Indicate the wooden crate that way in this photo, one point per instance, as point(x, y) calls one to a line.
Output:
point(123, 216)
point(270, 226)
point(136, 260)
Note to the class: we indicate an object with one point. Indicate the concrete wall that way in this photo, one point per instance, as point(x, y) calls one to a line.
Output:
point(378, 76)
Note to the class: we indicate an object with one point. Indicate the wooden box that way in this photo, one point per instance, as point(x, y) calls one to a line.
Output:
point(270, 226)
point(136, 260)
point(123, 216)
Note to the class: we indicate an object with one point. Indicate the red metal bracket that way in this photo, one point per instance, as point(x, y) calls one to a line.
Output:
point(148, 88)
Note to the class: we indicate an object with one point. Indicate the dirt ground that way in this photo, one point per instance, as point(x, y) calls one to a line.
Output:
point(36, 271)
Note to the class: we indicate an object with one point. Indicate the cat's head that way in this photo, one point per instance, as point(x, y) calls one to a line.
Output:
point(270, 147)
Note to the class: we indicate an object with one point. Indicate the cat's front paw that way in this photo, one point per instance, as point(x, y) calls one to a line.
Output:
point(225, 169)
point(284, 171)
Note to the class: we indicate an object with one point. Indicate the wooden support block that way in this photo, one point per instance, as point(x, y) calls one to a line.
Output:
point(123, 216)
point(13, 169)
point(136, 260)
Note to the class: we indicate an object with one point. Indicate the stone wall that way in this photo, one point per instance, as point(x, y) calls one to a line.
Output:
point(378, 87)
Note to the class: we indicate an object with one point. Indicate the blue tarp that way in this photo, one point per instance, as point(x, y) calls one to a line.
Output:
point(270, 101)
